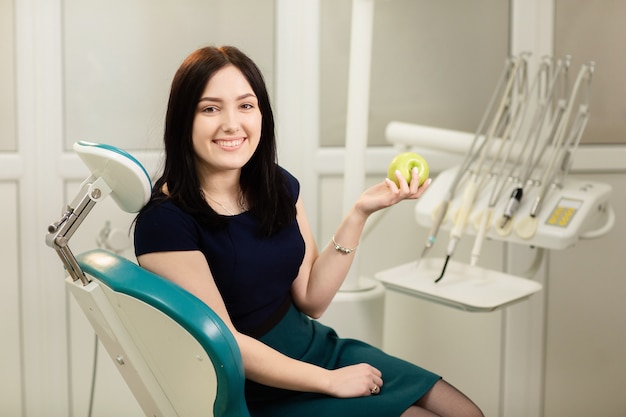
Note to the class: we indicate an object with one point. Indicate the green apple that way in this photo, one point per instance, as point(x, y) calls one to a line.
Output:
point(404, 163)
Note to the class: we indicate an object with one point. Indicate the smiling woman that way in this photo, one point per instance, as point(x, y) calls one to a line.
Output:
point(227, 223)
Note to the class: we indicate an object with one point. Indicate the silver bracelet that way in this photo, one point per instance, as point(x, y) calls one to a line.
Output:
point(342, 249)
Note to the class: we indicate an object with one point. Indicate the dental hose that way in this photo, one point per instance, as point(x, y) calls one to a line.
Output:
point(469, 158)
point(469, 195)
point(536, 127)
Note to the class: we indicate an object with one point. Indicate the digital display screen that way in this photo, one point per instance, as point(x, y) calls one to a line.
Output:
point(564, 211)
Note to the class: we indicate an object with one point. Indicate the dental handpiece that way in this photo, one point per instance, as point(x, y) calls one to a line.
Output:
point(512, 205)
point(434, 230)
point(467, 201)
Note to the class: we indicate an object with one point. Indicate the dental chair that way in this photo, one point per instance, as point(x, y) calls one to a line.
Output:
point(176, 355)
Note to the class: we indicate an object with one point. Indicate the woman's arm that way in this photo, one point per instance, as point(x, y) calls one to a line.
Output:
point(322, 274)
point(262, 364)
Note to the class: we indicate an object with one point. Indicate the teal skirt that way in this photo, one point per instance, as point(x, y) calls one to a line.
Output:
point(307, 340)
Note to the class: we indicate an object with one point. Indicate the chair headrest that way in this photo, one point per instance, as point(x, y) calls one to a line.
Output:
point(129, 181)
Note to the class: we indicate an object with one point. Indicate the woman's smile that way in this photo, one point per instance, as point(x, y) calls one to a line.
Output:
point(230, 143)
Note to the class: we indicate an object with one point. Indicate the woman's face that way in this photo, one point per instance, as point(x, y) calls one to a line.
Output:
point(227, 125)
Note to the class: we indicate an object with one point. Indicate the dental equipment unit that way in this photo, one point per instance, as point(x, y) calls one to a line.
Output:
point(176, 355)
point(526, 153)
point(518, 64)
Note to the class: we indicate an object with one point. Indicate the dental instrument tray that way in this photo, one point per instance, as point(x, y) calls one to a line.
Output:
point(574, 210)
point(469, 288)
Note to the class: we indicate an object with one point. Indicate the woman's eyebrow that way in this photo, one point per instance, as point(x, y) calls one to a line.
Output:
point(241, 97)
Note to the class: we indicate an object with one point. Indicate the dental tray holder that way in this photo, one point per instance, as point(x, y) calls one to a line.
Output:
point(473, 288)
point(465, 287)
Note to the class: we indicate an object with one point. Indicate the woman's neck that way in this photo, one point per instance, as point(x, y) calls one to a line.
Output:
point(224, 184)
point(223, 193)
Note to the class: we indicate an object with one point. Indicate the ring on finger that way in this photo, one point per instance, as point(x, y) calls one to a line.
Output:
point(375, 390)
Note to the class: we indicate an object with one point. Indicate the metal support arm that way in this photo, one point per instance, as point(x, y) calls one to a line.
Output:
point(60, 232)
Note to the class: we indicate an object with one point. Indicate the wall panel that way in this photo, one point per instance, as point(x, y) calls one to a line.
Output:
point(593, 30)
point(433, 62)
point(120, 57)
point(10, 347)
point(7, 77)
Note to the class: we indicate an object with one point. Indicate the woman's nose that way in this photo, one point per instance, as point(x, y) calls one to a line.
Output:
point(230, 122)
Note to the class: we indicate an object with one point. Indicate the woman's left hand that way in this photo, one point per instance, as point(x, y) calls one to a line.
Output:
point(387, 193)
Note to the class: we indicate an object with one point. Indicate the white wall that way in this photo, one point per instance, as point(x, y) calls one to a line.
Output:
point(586, 331)
point(10, 324)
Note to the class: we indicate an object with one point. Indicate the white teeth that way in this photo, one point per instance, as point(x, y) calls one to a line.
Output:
point(230, 143)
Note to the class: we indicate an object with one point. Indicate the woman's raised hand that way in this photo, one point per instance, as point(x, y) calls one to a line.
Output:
point(387, 193)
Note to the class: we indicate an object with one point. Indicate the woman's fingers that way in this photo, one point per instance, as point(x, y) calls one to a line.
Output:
point(357, 381)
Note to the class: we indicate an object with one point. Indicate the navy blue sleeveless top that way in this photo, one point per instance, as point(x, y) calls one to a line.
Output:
point(253, 272)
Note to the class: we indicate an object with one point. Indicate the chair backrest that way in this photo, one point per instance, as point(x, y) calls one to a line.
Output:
point(177, 356)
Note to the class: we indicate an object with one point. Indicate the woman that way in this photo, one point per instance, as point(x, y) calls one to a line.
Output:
point(226, 223)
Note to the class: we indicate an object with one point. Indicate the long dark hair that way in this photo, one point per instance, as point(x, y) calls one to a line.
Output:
point(261, 180)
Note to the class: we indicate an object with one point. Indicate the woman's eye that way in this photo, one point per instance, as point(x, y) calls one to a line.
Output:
point(247, 106)
point(209, 109)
